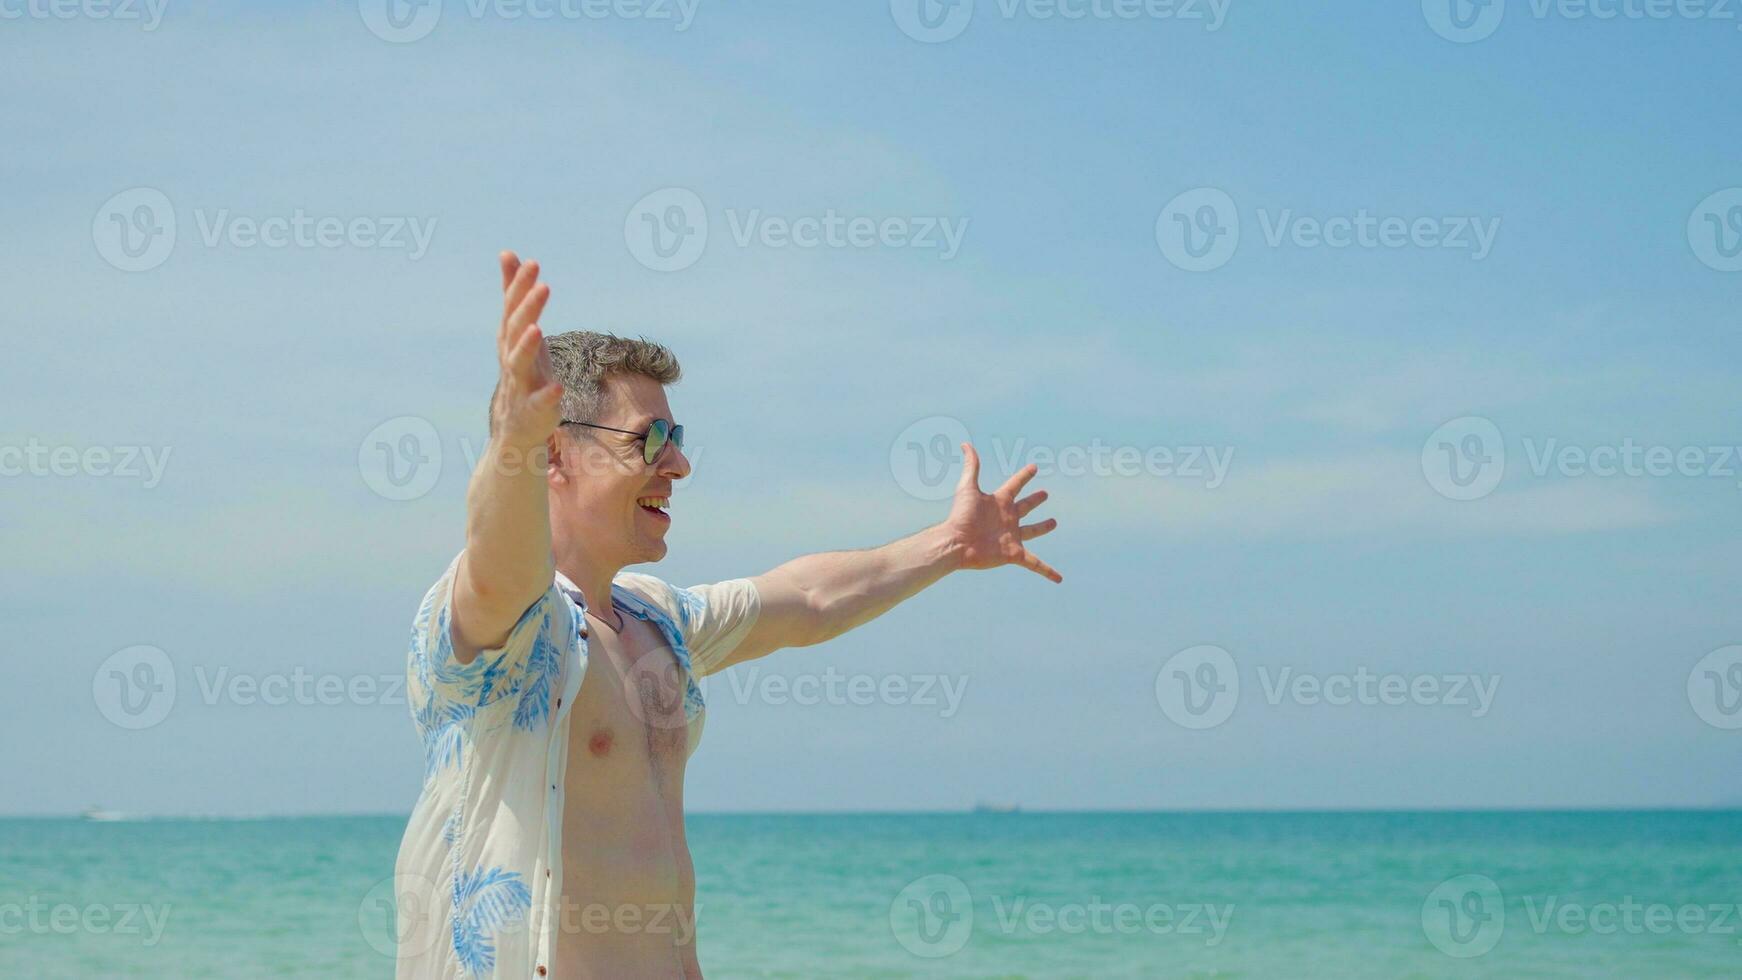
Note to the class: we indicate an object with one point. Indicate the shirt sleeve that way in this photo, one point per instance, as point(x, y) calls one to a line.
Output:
point(713, 618)
point(532, 647)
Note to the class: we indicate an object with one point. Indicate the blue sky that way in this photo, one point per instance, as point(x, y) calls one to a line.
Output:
point(1596, 317)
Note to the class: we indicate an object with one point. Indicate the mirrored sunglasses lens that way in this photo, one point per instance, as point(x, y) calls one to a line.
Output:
point(656, 435)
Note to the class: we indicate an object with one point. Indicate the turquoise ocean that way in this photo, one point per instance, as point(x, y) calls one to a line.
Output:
point(1440, 894)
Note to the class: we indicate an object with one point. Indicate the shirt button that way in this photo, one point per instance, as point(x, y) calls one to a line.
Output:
point(541, 971)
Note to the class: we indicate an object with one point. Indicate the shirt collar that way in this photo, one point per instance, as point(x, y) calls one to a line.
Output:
point(618, 593)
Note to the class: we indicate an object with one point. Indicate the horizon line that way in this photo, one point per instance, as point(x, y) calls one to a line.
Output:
point(125, 816)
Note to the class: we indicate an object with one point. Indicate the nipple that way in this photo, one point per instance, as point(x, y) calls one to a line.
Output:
point(600, 743)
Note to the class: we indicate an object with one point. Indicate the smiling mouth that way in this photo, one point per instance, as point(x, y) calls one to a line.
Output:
point(655, 505)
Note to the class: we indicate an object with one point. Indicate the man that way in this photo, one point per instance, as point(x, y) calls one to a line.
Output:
point(556, 695)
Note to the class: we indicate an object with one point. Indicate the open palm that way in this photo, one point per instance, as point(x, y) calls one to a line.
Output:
point(988, 527)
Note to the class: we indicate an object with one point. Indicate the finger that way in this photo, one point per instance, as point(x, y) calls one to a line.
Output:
point(510, 265)
point(1029, 503)
point(549, 395)
point(1041, 568)
point(524, 279)
point(1031, 531)
point(1017, 481)
point(528, 312)
point(523, 359)
point(970, 468)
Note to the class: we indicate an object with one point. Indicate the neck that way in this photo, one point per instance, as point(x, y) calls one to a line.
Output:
point(593, 578)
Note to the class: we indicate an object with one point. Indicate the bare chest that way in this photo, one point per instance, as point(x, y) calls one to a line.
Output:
point(629, 716)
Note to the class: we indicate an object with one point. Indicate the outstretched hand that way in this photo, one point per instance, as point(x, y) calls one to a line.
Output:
point(528, 400)
point(988, 527)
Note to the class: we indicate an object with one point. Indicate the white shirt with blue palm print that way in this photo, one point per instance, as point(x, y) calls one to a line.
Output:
point(476, 880)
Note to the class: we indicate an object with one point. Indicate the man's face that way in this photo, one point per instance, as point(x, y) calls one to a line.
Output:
point(602, 486)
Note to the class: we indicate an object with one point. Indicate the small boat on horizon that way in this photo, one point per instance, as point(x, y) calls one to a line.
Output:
point(100, 815)
point(984, 806)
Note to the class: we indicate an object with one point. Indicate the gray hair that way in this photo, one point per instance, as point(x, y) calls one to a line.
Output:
point(581, 360)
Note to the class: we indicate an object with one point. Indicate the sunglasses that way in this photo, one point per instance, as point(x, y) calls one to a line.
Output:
point(653, 441)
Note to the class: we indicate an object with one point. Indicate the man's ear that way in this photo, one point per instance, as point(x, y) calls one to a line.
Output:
point(555, 458)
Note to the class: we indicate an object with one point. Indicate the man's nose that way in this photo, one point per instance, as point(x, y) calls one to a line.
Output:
point(673, 464)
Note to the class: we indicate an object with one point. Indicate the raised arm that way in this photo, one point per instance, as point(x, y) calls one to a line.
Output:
point(507, 564)
point(818, 597)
